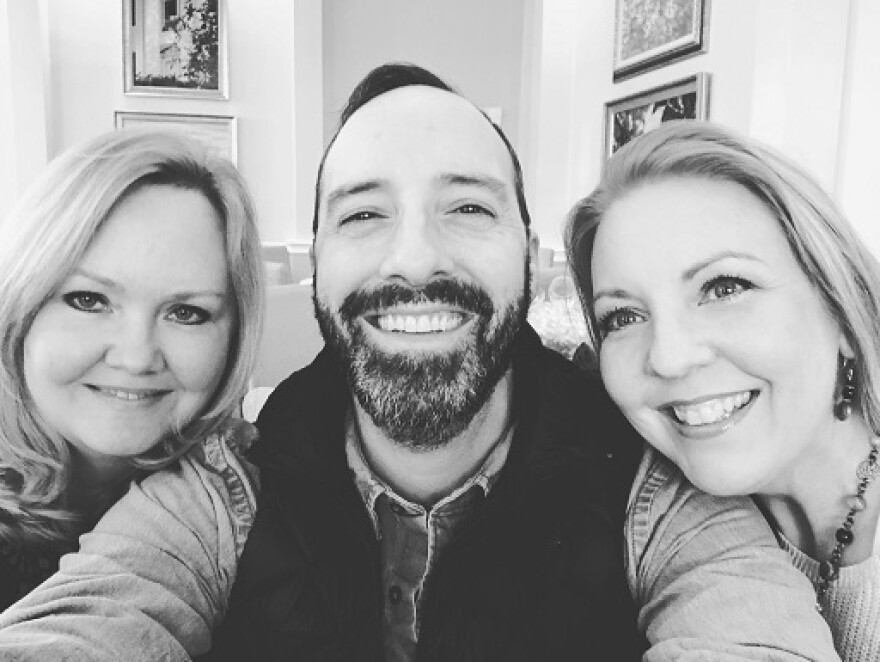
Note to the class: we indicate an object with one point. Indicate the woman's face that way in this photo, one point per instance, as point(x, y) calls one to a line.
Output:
point(716, 346)
point(137, 337)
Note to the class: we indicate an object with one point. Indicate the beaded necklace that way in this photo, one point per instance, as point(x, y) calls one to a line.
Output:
point(829, 570)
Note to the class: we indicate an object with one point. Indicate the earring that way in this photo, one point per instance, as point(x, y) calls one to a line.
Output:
point(843, 407)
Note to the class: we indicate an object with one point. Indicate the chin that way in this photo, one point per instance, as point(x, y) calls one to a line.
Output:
point(720, 482)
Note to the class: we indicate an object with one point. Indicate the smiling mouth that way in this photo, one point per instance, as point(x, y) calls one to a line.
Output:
point(437, 322)
point(711, 412)
point(128, 394)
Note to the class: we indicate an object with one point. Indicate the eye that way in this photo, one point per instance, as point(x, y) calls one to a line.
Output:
point(472, 208)
point(87, 302)
point(725, 288)
point(188, 315)
point(617, 319)
point(359, 216)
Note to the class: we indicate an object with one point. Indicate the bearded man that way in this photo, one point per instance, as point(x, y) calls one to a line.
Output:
point(437, 484)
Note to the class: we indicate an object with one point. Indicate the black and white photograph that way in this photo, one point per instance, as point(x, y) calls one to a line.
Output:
point(460, 331)
point(630, 117)
point(175, 47)
point(653, 33)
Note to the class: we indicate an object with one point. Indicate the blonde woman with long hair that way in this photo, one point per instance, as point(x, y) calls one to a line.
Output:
point(736, 315)
point(130, 318)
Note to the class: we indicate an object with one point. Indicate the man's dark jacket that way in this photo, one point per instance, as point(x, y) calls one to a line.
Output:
point(536, 574)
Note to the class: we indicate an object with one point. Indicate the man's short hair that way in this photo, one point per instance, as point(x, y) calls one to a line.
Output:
point(394, 75)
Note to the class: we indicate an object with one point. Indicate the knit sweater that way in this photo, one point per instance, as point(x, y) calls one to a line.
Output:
point(851, 606)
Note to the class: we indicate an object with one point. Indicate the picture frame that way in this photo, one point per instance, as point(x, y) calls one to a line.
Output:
point(219, 132)
point(175, 48)
point(653, 33)
point(633, 115)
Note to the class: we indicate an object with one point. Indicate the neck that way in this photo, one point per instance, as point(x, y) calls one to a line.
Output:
point(93, 479)
point(811, 504)
point(425, 477)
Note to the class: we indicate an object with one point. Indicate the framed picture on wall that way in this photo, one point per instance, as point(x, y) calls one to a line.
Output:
point(175, 48)
point(629, 117)
point(219, 132)
point(652, 33)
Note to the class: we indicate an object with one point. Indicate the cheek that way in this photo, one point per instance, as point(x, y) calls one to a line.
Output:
point(618, 370)
point(808, 374)
point(199, 362)
point(339, 273)
point(58, 353)
point(626, 384)
point(500, 268)
point(799, 353)
point(514, 280)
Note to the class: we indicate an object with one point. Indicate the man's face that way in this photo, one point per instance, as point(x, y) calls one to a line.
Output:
point(421, 262)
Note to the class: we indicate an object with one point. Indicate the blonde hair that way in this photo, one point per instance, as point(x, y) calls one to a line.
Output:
point(844, 272)
point(42, 240)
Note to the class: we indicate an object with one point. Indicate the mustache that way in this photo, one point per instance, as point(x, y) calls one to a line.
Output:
point(449, 291)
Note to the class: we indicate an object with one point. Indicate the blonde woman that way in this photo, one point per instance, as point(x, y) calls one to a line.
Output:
point(130, 317)
point(737, 322)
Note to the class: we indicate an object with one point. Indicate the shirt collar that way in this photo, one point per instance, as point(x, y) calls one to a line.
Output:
point(371, 486)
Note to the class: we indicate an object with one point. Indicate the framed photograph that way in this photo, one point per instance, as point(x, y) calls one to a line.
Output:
point(217, 131)
point(627, 118)
point(175, 48)
point(651, 33)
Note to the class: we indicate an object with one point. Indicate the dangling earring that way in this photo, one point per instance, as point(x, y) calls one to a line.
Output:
point(843, 407)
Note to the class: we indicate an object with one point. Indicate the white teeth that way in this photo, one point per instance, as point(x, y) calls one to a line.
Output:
point(435, 323)
point(690, 417)
point(713, 411)
point(128, 395)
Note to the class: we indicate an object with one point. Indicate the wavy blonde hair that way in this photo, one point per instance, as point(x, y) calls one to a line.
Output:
point(42, 240)
point(832, 256)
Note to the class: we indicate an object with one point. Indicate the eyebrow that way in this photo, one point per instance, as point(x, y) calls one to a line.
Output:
point(702, 264)
point(342, 192)
point(177, 296)
point(106, 282)
point(686, 276)
point(615, 294)
point(491, 184)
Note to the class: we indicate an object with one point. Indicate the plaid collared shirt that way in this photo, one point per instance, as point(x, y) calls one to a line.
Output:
point(411, 537)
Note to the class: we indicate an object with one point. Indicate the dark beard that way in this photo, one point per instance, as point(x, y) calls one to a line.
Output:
point(421, 400)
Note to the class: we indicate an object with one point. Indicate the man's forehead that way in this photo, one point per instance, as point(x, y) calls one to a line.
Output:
point(421, 129)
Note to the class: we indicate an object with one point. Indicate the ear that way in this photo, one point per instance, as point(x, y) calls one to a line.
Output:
point(534, 264)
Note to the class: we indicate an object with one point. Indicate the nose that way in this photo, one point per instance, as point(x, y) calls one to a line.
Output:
point(417, 252)
point(133, 346)
point(677, 346)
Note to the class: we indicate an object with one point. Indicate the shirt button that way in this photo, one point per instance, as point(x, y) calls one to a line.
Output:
point(395, 594)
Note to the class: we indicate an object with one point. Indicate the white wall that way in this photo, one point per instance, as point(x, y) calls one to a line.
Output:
point(571, 59)
point(476, 46)
point(23, 98)
point(308, 113)
point(268, 53)
point(858, 165)
point(800, 74)
point(777, 70)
